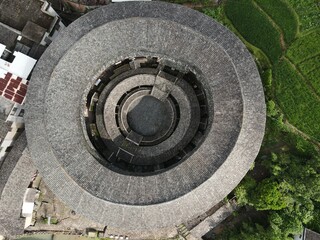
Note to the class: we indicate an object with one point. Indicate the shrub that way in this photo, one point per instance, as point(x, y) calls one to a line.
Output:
point(216, 13)
point(243, 190)
point(272, 111)
point(267, 78)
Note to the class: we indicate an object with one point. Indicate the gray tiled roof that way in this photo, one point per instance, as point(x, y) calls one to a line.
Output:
point(110, 34)
point(4, 128)
point(311, 235)
point(9, 163)
point(8, 37)
point(16, 13)
point(12, 194)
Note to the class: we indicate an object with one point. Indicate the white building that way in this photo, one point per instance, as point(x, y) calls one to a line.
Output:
point(21, 65)
point(29, 198)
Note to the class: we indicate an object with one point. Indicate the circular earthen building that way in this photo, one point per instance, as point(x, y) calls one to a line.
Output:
point(143, 115)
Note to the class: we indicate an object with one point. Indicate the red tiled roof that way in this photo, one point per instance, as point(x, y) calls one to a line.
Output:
point(18, 99)
point(8, 76)
point(13, 88)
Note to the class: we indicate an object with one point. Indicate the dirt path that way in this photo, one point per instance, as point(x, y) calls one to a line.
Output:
point(215, 219)
point(302, 134)
point(299, 132)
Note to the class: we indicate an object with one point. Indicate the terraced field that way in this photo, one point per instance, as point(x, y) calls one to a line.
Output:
point(282, 15)
point(305, 54)
point(308, 12)
point(305, 47)
point(304, 111)
point(298, 103)
point(273, 26)
point(246, 16)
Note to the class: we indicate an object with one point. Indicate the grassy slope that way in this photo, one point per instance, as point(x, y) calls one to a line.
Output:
point(310, 64)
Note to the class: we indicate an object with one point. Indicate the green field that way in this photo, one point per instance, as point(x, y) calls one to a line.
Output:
point(314, 78)
point(305, 53)
point(305, 47)
point(311, 70)
point(309, 64)
point(293, 95)
point(255, 27)
point(308, 12)
point(282, 15)
point(296, 80)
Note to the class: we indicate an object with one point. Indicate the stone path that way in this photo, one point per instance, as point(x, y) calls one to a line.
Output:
point(213, 220)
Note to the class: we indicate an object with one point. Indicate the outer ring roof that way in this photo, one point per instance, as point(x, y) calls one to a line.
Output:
point(81, 195)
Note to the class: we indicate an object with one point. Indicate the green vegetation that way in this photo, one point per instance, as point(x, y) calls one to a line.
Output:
point(295, 180)
point(282, 15)
point(245, 17)
point(315, 222)
point(294, 98)
point(305, 53)
point(216, 13)
point(305, 47)
point(314, 77)
point(309, 65)
point(52, 220)
point(264, 195)
point(253, 231)
point(308, 12)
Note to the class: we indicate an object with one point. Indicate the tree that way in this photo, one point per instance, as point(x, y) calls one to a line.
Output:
point(243, 190)
point(272, 111)
point(283, 224)
point(314, 224)
point(252, 231)
point(268, 196)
